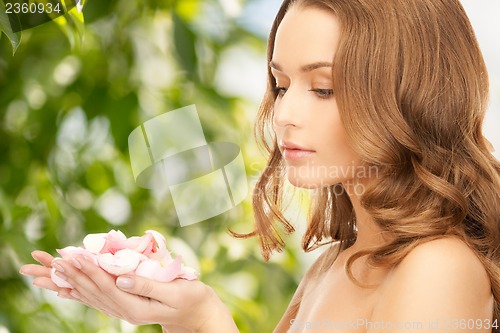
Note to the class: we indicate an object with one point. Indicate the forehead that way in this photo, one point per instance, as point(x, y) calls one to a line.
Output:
point(306, 35)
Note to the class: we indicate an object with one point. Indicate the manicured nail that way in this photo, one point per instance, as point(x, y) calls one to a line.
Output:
point(124, 283)
point(76, 263)
point(74, 294)
point(61, 275)
point(58, 267)
point(34, 256)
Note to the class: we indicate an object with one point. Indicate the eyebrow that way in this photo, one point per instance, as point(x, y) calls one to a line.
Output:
point(305, 68)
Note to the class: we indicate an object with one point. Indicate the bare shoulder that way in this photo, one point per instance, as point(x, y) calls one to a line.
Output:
point(448, 255)
point(439, 279)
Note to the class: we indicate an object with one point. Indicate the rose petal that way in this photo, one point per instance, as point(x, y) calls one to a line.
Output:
point(151, 248)
point(58, 281)
point(67, 251)
point(116, 234)
point(71, 252)
point(122, 262)
point(94, 242)
point(153, 269)
point(163, 257)
point(142, 244)
point(188, 273)
point(115, 241)
point(148, 269)
point(160, 242)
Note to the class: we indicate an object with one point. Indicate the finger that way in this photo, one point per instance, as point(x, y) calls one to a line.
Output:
point(119, 303)
point(84, 296)
point(43, 258)
point(98, 289)
point(171, 293)
point(104, 281)
point(35, 270)
point(46, 283)
point(174, 302)
point(74, 295)
point(94, 286)
point(113, 306)
point(66, 294)
point(70, 272)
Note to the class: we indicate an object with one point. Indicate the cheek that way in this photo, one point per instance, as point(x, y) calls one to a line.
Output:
point(336, 153)
point(329, 130)
point(334, 157)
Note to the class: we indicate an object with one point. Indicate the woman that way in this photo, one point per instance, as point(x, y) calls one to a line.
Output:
point(377, 107)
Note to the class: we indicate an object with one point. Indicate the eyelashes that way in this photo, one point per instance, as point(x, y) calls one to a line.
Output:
point(279, 91)
point(320, 93)
point(323, 93)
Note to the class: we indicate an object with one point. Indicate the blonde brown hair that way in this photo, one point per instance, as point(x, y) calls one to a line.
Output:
point(411, 87)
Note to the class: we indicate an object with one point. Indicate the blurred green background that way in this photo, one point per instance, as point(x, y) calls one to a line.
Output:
point(69, 98)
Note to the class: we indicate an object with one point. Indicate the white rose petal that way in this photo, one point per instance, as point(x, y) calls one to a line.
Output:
point(122, 262)
point(94, 242)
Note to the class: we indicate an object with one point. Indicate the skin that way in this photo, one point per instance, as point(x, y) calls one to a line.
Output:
point(439, 280)
point(179, 306)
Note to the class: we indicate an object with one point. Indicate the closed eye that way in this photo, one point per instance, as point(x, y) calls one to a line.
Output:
point(323, 93)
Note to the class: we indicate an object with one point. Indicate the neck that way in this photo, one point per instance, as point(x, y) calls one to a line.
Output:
point(369, 234)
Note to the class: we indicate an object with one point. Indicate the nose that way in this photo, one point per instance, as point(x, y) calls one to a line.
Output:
point(287, 110)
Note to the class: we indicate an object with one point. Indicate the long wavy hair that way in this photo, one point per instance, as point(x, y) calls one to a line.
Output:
point(412, 90)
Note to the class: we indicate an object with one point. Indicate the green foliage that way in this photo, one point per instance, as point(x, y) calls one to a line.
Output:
point(69, 98)
point(6, 28)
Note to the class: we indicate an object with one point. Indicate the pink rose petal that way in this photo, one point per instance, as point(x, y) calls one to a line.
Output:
point(115, 241)
point(154, 270)
point(122, 262)
point(148, 269)
point(188, 273)
point(71, 252)
point(160, 242)
point(142, 244)
point(145, 256)
point(58, 281)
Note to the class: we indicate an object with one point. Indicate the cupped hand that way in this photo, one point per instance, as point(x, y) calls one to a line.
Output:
point(190, 305)
point(42, 273)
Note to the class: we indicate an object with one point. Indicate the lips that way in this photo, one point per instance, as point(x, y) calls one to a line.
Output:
point(293, 151)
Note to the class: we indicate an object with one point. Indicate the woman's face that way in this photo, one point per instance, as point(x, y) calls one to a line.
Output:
point(306, 118)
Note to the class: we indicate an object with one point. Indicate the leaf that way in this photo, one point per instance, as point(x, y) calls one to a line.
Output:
point(75, 16)
point(6, 28)
point(185, 39)
point(72, 24)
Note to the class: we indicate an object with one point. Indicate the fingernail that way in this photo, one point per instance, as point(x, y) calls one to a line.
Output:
point(61, 275)
point(124, 283)
point(74, 294)
point(76, 263)
point(58, 267)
